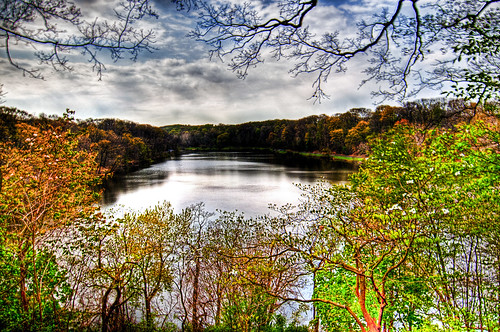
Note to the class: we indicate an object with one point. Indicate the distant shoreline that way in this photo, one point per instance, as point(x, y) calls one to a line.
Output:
point(349, 158)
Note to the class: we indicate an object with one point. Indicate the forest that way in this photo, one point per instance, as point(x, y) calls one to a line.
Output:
point(121, 146)
point(411, 244)
point(345, 133)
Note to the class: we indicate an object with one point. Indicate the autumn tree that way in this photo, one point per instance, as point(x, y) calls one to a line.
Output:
point(356, 136)
point(384, 117)
point(47, 184)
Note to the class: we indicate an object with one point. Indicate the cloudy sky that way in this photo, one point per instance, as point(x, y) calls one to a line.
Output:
point(179, 84)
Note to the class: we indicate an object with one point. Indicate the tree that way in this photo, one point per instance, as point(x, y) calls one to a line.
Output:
point(398, 40)
point(409, 242)
point(448, 179)
point(47, 184)
point(57, 27)
point(357, 135)
point(154, 238)
point(250, 273)
point(127, 263)
point(338, 237)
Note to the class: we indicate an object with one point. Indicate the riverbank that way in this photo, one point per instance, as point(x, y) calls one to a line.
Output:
point(316, 155)
point(323, 155)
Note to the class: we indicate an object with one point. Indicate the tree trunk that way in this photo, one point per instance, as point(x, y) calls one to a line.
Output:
point(23, 271)
point(106, 314)
point(315, 315)
point(149, 318)
point(371, 324)
point(195, 323)
point(218, 305)
point(104, 311)
point(373, 327)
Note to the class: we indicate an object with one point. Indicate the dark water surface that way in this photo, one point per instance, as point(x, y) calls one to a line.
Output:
point(243, 181)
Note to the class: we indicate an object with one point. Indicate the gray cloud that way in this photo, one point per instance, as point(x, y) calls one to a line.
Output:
point(178, 84)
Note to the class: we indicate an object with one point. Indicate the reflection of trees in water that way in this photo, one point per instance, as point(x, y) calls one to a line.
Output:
point(313, 163)
point(246, 166)
point(128, 183)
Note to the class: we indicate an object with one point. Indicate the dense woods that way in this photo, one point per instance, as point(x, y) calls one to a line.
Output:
point(345, 133)
point(120, 146)
point(411, 244)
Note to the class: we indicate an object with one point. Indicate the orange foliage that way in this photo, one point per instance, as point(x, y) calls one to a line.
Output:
point(46, 181)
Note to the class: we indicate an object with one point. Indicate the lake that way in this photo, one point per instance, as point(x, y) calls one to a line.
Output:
point(244, 181)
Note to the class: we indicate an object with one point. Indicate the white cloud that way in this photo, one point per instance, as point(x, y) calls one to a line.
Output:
point(367, 7)
point(178, 84)
point(166, 91)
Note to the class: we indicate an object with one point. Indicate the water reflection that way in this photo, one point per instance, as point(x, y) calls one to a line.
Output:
point(246, 182)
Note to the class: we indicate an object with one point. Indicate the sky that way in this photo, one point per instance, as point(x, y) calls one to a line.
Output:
point(179, 84)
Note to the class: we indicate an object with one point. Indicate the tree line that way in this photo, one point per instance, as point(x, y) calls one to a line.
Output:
point(344, 133)
point(121, 146)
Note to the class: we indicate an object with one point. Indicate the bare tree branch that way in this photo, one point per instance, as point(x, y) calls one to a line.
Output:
point(398, 42)
point(57, 27)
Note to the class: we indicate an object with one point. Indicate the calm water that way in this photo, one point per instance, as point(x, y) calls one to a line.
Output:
point(247, 182)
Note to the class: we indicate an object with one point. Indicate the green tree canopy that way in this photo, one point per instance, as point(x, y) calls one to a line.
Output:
point(410, 242)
